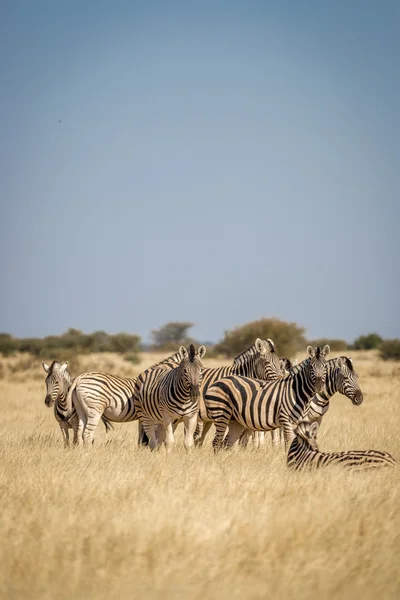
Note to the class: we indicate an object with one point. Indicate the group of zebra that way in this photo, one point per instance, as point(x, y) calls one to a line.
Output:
point(258, 392)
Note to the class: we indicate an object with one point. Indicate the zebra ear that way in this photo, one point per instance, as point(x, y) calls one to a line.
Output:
point(325, 351)
point(260, 346)
point(202, 351)
point(271, 345)
point(313, 429)
point(310, 351)
point(183, 352)
point(340, 362)
point(63, 368)
point(45, 367)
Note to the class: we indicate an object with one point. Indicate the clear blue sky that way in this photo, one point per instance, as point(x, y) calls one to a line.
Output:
point(215, 162)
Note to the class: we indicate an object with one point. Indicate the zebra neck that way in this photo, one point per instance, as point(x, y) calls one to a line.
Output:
point(62, 407)
point(246, 368)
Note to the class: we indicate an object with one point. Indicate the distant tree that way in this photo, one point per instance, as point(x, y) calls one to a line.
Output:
point(368, 342)
point(172, 335)
point(8, 344)
point(390, 349)
point(124, 342)
point(288, 337)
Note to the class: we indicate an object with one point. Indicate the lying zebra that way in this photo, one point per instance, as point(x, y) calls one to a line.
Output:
point(304, 453)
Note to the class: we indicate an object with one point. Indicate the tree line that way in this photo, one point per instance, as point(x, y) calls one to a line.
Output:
point(288, 337)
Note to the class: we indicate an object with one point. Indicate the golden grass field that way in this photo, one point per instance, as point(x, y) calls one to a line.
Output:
point(120, 522)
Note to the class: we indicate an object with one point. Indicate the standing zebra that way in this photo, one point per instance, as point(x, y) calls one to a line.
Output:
point(164, 397)
point(58, 383)
point(242, 403)
point(304, 453)
point(260, 361)
point(340, 377)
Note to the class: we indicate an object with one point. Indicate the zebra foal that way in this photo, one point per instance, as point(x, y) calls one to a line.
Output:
point(305, 454)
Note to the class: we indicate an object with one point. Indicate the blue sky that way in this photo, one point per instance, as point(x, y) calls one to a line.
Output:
point(215, 162)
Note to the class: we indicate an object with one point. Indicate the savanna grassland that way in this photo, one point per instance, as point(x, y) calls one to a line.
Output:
point(120, 522)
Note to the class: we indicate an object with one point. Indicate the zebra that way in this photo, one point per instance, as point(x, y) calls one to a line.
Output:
point(304, 453)
point(259, 436)
point(340, 377)
point(244, 403)
point(58, 383)
point(260, 361)
point(167, 396)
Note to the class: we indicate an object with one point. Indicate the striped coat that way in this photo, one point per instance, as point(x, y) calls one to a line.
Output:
point(167, 396)
point(242, 403)
point(58, 385)
point(305, 454)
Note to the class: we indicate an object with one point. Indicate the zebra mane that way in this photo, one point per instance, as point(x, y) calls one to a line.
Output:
point(54, 364)
point(192, 353)
point(245, 356)
point(174, 358)
point(318, 352)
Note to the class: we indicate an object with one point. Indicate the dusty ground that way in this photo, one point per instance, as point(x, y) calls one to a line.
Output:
point(119, 522)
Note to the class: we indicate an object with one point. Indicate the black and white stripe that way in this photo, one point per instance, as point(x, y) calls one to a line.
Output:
point(304, 453)
point(243, 403)
point(58, 384)
point(340, 377)
point(168, 396)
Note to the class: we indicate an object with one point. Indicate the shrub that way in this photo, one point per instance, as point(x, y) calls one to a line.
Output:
point(390, 349)
point(367, 342)
point(288, 337)
point(335, 345)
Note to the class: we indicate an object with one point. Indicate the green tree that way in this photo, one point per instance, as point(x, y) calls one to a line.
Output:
point(287, 337)
point(367, 342)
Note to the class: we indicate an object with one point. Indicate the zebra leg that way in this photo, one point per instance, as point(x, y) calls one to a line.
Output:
point(221, 428)
point(143, 440)
point(169, 433)
point(65, 433)
point(198, 432)
point(91, 425)
point(150, 429)
point(234, 433)
point(288, 434)
point(205, 429)
point(189, 424)
point(244, 438)
point(276, 436)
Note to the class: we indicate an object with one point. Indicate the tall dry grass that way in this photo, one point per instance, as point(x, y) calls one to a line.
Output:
point(119, 522)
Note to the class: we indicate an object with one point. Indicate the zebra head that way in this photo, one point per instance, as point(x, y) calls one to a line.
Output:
point(58, 381)
point(191, 367)
point(317, 366)
point(307, 432)
point(267, 365)
point(347, 380)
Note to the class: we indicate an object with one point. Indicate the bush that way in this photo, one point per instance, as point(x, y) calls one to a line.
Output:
point(367, 342)
point(390, 349)
point(288, 337)
point(335, 345)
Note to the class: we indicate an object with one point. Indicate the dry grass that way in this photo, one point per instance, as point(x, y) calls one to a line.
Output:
point(119, 522)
